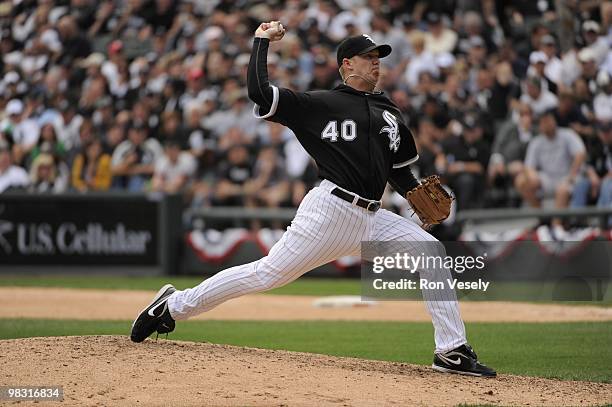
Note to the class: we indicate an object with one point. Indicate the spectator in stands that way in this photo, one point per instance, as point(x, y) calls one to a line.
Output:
point(133, 160)
point(238, 114)
point(602, 104)
point(48, 141)
point(160, 14)
point(445, 62)
point(103, 116)
point(605, 193)
point(54, 83)
point(470, 25)
point(234, 135)
point(234, 172)
point(465, 162)
point(358, 17)
point(48, 175)
point(583, 96)
point(322, 76)
point(553, 67)
point(402, 100)
point(596, 44)
point(504, 94)
point(301, 170)
point(384, 32)
point(483, 97)
point(12, 84)
point(422, 60)
point(552, 164)
point(178, 69)
point(74, 43)
point(453, 95)
point(11, 176)
point(172, 129)
point(271, 134)
point(569, 115)
point(67, 124)
point(91, 168)
point(430, 150)
point(476, 61)
point(537, 67)
point(439, 39)
point(195, 88)
point(588, 68)
point(141, 115)
point(431, 108)
point(105, 18)
point(86, 133)
point(84, 11)
point(538, 97)
point(115, 70)
point(596, 185)
point(198, 138)
point(508, 152)
point(538, 31)
point(409, 28)
point(22, 128)
point(270, 184)
point(114, 137)
point(174, 170)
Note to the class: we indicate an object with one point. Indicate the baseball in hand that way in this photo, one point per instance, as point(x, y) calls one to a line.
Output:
point(273, 30)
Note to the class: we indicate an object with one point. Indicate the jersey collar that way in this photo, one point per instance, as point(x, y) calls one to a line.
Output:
point(348, 89)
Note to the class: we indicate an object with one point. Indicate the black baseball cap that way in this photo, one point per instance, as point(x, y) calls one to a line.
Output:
point(360, 44)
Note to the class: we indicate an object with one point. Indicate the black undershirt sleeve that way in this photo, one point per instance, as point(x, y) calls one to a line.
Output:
point(258, 85)
point(403, 180)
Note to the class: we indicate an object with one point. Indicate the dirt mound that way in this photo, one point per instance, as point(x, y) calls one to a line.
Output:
point(111, 370)
point(67, 303)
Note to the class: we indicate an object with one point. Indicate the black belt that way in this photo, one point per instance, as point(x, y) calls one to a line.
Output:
point(371, 206)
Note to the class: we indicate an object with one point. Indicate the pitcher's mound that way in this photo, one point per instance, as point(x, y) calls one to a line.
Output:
point(111, 370)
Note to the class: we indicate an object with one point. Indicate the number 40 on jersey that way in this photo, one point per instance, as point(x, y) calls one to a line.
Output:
point(348, 130)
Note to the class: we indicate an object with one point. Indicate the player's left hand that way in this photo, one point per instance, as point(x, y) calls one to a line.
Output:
point(430, 201)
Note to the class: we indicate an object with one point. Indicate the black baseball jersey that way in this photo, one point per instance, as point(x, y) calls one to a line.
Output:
point(356, 138)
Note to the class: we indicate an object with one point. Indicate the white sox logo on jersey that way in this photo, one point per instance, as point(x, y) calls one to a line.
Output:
point(391, 130)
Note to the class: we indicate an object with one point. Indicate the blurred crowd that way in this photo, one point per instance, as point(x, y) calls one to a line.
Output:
point(510, 101)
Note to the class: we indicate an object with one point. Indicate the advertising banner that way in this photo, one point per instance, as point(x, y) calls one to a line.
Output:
point(79, 230)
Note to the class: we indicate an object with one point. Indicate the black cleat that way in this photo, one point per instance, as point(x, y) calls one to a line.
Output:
point(155, 317)
point(461, 360)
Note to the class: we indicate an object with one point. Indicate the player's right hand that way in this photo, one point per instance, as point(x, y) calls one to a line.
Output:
point(272, 30)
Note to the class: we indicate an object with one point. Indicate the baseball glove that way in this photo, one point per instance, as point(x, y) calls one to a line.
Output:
point(430, 201)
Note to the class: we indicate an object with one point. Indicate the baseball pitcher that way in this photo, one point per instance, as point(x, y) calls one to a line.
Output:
point(360, 142)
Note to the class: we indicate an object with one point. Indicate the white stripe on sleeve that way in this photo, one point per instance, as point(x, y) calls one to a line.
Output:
point(405, 163)
point(272, 108)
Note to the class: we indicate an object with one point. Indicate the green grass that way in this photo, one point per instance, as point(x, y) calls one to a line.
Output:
point(576, 351)
point(302, 286)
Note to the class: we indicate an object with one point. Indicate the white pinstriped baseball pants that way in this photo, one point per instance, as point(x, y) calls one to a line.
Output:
point(325, 228)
